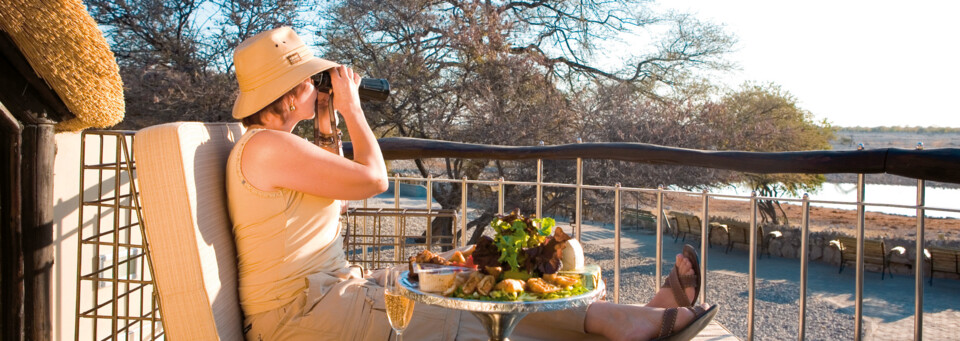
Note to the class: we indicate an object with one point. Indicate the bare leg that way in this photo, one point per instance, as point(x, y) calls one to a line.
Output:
point(619, 322)
point(664, 297)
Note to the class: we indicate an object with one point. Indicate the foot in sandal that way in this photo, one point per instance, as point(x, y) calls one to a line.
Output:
point(681, 288)
point(630, 322)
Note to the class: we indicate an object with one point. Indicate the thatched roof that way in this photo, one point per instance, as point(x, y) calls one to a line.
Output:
point(65, 47)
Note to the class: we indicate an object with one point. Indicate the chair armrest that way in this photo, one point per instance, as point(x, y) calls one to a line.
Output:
point(836, 243)
point(900, 250)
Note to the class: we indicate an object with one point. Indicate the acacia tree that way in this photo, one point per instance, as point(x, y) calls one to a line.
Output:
point(507, 72)
point(763, 117)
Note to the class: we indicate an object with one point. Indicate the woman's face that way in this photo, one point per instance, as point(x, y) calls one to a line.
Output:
point(306, 100)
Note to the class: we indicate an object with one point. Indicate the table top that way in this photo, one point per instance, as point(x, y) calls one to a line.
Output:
point(411, 290)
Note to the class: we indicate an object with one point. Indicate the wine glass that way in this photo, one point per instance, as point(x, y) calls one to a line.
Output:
point(399, 307)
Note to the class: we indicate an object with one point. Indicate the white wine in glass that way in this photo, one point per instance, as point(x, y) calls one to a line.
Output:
point(399, 308)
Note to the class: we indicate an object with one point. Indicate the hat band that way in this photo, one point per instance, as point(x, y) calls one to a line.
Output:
point(280, 66)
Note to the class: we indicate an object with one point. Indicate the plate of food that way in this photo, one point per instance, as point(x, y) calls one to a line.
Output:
point(530, 263)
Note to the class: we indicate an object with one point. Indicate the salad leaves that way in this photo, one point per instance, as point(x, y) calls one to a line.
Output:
point(522, 244)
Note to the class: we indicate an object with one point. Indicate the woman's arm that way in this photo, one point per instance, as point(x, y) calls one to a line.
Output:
point(278, 159)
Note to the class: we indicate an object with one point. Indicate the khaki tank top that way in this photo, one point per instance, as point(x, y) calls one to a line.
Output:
point(282, 236)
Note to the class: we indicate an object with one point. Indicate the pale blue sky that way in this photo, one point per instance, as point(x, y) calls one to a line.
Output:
point(867, 63)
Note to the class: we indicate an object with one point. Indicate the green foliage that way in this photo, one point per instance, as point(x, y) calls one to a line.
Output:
point(765, 118)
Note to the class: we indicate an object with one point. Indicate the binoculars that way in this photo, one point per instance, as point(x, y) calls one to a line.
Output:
point(371, 89)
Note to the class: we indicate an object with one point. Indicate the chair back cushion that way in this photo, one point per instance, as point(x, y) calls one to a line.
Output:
point(180, 172)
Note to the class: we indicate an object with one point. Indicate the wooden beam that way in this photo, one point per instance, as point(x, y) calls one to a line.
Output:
point(933, 164)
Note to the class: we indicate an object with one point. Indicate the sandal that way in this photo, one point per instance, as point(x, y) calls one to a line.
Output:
point(700, 320)
point(678, 283)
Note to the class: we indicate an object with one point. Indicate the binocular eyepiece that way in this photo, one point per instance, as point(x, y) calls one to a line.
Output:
point(371, 89)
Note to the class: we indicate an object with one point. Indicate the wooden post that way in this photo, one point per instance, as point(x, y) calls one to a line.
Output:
point(11, 255)
point(27, 230)
point(29, 111)
point(36, 185)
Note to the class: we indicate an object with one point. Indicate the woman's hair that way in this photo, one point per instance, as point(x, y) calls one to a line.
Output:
point(277, 107)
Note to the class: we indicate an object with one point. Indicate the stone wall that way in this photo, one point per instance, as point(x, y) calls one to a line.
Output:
point(820, 250)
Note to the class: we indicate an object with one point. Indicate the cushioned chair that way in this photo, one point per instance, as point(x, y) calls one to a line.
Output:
point(180, 171)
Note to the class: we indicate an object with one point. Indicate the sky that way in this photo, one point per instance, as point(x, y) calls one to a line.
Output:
point(854, 63)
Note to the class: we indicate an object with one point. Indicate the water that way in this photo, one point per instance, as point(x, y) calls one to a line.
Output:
point(948, 198)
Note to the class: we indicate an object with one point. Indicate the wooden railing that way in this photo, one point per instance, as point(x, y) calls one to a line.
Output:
point(935, 164)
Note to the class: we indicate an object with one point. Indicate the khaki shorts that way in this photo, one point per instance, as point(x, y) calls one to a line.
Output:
point(332, 308)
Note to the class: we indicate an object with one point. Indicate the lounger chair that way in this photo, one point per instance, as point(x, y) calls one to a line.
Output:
point(180, 170)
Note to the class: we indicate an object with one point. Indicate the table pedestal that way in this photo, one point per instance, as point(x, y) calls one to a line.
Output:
point(499, 325)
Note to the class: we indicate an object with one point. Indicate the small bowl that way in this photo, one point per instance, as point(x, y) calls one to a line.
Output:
point(436, 278)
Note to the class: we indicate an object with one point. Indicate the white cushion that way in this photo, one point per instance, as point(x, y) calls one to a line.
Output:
point(180, 171)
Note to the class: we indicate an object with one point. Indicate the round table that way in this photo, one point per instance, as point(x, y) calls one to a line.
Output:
point(498, 317)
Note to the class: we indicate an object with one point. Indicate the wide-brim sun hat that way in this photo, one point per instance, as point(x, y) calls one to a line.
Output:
point(268, 65)
point(66, 48)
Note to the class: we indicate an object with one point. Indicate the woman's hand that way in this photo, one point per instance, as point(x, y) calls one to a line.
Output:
point(346, 98)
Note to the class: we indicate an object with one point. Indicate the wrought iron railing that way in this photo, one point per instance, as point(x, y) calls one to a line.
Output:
point(939, 165)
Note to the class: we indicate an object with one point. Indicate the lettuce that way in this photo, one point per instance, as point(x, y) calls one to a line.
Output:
point(524, 244)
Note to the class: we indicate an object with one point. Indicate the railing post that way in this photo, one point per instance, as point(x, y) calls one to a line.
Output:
point(861, 217)
point(579, 207)
point(704, 243)
point(400, 241)
point(656, 280)
point(540, 186)
point(918, 268)
point(804, 253)
point(429, 231)
point(363, 230)
point(751, 288)
point(463, 208)
point(616, 243)
point(500, 196)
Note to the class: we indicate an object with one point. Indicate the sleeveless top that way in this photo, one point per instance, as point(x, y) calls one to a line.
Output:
point(282, 237)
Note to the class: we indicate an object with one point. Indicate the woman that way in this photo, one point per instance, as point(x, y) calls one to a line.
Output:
point(284, 193)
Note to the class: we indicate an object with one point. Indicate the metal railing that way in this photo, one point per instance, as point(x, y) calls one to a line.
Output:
point(923, 163)
point(940, 165)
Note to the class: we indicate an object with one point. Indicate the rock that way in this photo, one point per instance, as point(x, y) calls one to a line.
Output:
point(816, 252)
point(831, 255)
point(774, 248)
point(789, 251)
point(776, 244)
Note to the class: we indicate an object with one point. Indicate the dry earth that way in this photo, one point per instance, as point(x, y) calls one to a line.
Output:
point(877, 225)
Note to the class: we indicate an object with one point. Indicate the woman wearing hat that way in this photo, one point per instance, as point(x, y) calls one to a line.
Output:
point(284, 200)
